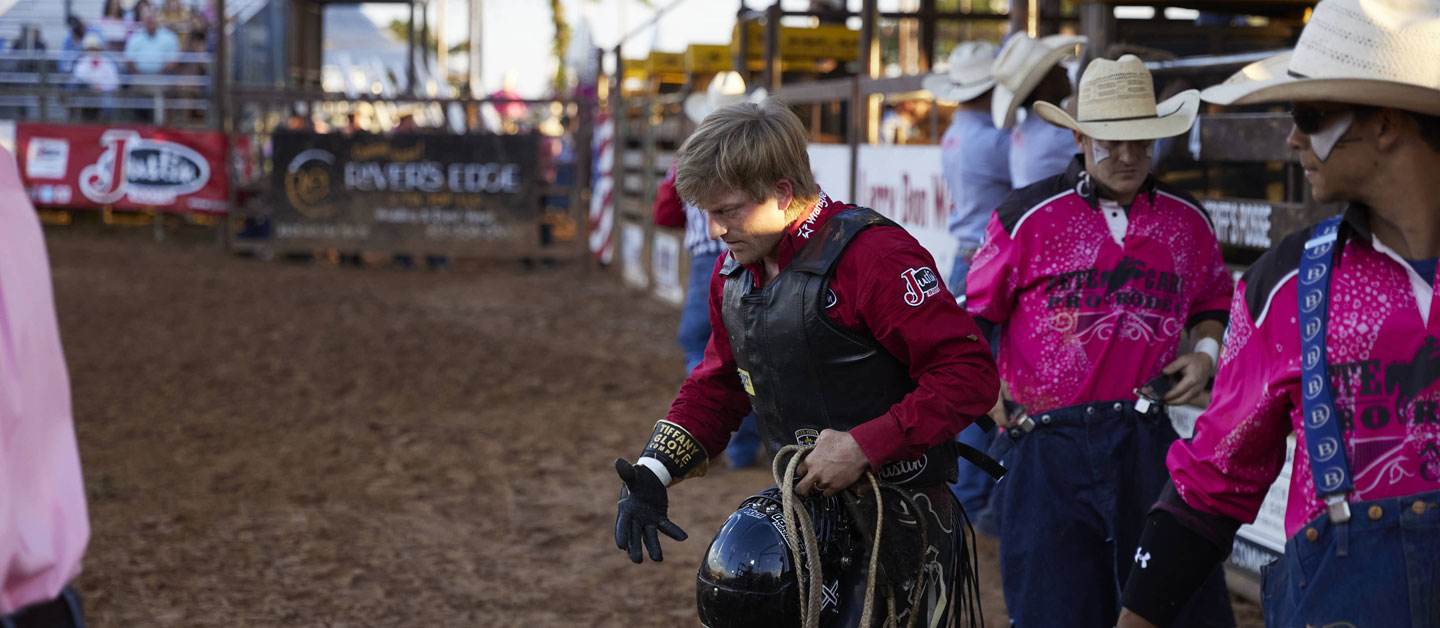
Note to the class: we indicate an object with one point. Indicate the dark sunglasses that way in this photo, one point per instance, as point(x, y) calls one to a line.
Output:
point(1309, 120)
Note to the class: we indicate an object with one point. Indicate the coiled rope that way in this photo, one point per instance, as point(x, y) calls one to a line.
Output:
point(811, 596)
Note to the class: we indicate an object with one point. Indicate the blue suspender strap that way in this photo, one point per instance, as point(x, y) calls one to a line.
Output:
point(1323, 443)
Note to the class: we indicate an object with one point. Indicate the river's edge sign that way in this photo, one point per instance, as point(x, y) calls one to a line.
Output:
point(472, 194)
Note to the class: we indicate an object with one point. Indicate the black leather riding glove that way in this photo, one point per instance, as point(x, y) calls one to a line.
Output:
point(642, 511)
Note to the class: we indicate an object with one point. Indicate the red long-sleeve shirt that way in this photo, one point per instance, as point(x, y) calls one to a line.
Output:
point(668, 210)
point(876, 295)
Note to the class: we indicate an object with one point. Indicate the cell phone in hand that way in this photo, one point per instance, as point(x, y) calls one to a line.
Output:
point(1157, 388)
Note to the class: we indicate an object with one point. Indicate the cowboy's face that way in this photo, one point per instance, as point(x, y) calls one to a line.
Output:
point(1119, 166)
point(1335, 131)
point(751, 230)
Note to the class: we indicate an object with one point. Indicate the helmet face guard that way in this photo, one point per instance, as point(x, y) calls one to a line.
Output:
point(747, 578)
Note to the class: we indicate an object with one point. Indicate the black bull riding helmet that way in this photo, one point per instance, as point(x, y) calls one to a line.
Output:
point(747, 579)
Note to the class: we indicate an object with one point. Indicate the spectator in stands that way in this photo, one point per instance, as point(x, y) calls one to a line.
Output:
point(200, 24)
point(113, 10)
point(28, 41)
point(114, 25)
point(46, 526)
point(137, 11)
point(97, 72)
point(73, 45)
point(1028, 71)
point(151, 51)
point(173, 12)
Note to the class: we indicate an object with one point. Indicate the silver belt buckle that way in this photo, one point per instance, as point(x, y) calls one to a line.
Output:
point(1026, 424)
point(1339, 508)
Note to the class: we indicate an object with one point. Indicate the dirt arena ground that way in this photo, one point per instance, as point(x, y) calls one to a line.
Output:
point(274, 444)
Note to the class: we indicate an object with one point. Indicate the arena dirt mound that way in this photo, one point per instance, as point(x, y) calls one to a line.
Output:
point(272, 444)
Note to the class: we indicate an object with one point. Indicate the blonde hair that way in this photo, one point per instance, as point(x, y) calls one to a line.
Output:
point(747, 147)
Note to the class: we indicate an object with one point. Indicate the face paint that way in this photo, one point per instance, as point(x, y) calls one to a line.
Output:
point(1098, 152)
point(1324, 140)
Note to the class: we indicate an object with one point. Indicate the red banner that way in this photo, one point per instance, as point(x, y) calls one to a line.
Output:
point(68, 165)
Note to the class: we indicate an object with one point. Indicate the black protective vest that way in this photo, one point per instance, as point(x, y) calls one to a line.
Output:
point(802, 371)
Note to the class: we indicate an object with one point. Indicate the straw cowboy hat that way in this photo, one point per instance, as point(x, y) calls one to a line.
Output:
point(1384, 53)
point(1117, 102)
point(969, 75)
point(1022, 63)
point(726, 88)
point(92, 41)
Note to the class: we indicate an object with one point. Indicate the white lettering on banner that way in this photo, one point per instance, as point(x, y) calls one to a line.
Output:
point(1241, 224)
point(148, 171)
point(906, 184)
point(430, 176)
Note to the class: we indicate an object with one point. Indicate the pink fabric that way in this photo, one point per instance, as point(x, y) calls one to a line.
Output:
point(44, 526)
point(1382, 359)
point(1087, 319)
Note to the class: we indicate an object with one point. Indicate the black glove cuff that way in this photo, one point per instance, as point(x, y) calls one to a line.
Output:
point(1170, 565)
point(681, 454)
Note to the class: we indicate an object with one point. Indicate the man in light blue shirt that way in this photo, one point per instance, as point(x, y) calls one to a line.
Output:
point(975, 157)
point(151, 50)
point(1028, 71)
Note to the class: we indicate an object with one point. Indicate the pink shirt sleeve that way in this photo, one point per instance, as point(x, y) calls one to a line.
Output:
point(991, 283)
point(1239, 443)
point(1213, 296)
point(45, 526)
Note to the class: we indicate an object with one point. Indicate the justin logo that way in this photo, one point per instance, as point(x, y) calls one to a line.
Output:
point(146, 170)
point(919, 284)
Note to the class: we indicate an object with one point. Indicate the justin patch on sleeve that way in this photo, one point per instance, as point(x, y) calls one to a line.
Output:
point(920, 283)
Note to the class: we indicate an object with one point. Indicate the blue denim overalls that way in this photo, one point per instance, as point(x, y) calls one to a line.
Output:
point(1365, 563)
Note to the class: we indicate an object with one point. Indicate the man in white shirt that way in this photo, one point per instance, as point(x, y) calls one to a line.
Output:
point(98, 72)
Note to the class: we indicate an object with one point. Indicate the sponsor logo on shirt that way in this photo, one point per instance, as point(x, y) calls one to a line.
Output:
point(1370, 396)
point(919, 284)
point(1130, 300)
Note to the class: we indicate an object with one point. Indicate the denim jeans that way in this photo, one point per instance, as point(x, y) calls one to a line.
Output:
point(963, 256)
point(973, 486)
point(1071, 510)
point(1382, 568)
point(694, 336)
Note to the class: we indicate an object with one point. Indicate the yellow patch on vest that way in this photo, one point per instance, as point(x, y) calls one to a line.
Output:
point(745, 382)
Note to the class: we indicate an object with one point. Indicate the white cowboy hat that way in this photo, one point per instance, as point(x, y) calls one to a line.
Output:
point(969, 75)
point(1384, 53)
point(1022, 63)
point(1117, 102)
point(726, 88)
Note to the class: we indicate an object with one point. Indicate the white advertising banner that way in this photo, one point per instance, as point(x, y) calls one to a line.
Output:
point(1259, 543)
point(831, 165)
point(632, 255)
point(665, 267)
point(906, 184)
